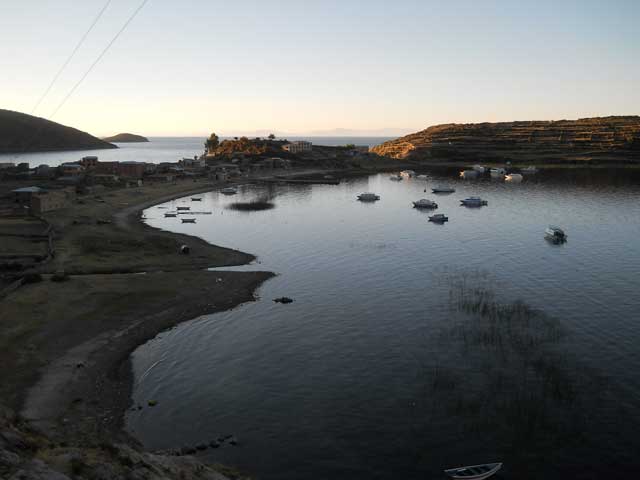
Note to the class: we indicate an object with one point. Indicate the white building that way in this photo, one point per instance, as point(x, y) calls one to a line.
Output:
point(299, 146)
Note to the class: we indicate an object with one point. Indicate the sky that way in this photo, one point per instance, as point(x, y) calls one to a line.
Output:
point(308, 67)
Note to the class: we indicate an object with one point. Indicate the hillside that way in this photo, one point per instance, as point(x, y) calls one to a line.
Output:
point(126, 138)
point(601, 139)
point(22, 133)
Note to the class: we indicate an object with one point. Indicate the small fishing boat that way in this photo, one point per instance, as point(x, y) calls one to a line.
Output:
point(229, 190)
point(473, 202)
point(438, 218)
point(443, 189)
point(513, 177)
point(183, 208)
point(497, 173)
point(529, 170)
point(368, 197)
point(474, 472)
point(479, 168)
point(555, 234)
point(196, 199)
point(188, 220)
point(395, 178)
point(408, 173)
point(467, 174)
point(425, 203)
point(422, 177)
point(170, 214)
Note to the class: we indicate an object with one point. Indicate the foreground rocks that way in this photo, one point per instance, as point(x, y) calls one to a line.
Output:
point(26, 454)
point(602, 140)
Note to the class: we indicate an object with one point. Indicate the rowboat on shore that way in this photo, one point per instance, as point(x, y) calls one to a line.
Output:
point(229, 190)
point(474, 472)
point(513, 177)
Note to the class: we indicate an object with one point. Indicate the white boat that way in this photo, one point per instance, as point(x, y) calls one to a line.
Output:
point(408, 173)
point(474, 472)
point(473, 202)
point(443, 189)
point(438, 218)
point(368, 197)
point(555, 234)
point(513, 177)
point(422, 177)
point(497, 173)
point(395, 178)
point(479, 168)
point(425, 203)
point(529, 170)
point(229, 190)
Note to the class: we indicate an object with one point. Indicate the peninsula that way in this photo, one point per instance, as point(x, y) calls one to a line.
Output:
point(587, 141)
point(22, 133)
point(126, 138)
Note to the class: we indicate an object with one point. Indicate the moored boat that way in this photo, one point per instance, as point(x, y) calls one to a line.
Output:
point(438, 218)
point(183, 208)
point(497, 173)
point(196, 199)
point(513, 177)
point(473, 202)
point(425, 203)
point(467, 174)
point(188, 220)
point(555, 234)
point(229, 190)
point(422, 177)
point(368, 197)
point(170, 214)
point(474, 472)
point(479, 168)
point(443, 189)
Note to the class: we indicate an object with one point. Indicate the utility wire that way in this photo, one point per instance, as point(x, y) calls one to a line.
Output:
point(113, 40)
point(75, 50)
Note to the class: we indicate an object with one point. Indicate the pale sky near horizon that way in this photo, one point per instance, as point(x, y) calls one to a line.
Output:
point(308, 67)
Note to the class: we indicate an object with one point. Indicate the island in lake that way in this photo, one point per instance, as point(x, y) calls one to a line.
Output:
point(126, 138)
point(22, 133)
point(604, 140)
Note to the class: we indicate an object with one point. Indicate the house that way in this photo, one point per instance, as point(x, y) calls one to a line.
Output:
point(71, 169)
point(131, 169)
point(298, 146)
point(103, 179)
point(23, 195)
point(89, 162)
point(194, 162)
point(5, 165)
point(43, 171)
point(47, 201)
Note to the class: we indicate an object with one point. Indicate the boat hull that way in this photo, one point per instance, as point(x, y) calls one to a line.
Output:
point(474, 472)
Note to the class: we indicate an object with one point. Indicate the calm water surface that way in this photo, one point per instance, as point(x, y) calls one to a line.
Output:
point(383, 367)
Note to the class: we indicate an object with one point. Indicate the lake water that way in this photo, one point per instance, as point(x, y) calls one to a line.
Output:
point(159, 149)
point(411, 347)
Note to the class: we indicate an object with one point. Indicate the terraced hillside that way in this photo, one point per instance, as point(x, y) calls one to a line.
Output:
point(601, 139)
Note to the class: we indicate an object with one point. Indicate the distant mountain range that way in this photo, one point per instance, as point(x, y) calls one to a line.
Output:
point(22, 133)
point(600, 139)
point(126, 138)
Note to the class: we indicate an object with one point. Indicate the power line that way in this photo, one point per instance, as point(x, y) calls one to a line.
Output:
point(66, 63)
point(113, 40)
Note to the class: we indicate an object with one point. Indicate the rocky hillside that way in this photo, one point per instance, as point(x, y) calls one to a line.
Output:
point(126, 138)
point(22, 133)
point(602, 139)
point(26, 454)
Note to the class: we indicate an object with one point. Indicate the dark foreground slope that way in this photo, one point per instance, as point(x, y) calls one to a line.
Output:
point(22, 133)
point(588, 140)
point(126, 138)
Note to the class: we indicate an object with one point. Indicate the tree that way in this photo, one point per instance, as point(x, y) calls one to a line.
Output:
point(350, 146)
point(212, 143)
point(271, 136)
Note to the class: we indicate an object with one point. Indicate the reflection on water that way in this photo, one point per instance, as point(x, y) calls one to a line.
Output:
point(411, 347)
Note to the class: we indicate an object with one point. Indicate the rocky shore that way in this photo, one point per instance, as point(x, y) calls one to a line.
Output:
point(65, 345)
